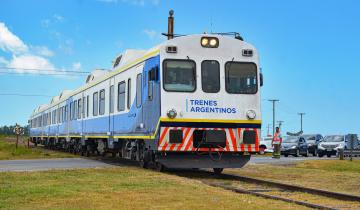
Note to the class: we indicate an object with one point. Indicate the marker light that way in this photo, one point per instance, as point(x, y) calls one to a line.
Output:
point(171, 113)
point(250, 114)
point(210, 42)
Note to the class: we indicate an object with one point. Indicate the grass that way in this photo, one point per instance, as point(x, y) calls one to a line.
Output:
point(9, 152)
point(119, 188)
point(333, 175)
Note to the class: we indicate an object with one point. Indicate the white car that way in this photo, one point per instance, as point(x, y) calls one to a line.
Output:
point(265, 145)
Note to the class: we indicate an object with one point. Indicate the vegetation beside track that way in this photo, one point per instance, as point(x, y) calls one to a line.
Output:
point(333, 175)
point(119, 188)
point(9, 152)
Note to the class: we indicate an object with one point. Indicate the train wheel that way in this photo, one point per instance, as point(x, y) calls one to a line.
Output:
point(159, 167)
point(218, 171)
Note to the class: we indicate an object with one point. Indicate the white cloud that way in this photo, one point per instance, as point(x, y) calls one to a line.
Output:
point(42, 50)
point(76, 66)
point(3, 61)
point(58, 18)
point(34, 62)
point(9, 42)
point(67, 46)
point(150, 33)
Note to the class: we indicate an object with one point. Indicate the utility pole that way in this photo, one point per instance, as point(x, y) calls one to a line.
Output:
point(273, 103)
point(268, 129)
point(301, 120)
point(280, 123)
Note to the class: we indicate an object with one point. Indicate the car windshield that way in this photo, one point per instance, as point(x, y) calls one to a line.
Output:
point(309, 138)
point(291, 139)
point(335, 138)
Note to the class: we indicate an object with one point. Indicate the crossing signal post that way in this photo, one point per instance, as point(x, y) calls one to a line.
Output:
point(18, 131)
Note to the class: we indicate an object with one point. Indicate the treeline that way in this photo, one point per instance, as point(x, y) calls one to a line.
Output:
point(9, 130)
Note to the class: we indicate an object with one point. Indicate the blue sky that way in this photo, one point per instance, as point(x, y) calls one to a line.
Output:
point(309, 50)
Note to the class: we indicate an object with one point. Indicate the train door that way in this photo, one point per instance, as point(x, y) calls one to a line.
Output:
point(111, 105)
point(151, 98)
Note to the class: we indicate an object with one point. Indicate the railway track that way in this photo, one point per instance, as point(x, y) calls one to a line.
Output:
point(308, 197)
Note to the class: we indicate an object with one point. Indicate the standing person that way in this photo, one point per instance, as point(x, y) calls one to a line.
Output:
point(276, 143)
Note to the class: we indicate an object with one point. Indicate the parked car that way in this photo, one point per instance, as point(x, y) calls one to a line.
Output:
point(265, 145)
point(313, 140)
point(294, 145)
point(331, 144)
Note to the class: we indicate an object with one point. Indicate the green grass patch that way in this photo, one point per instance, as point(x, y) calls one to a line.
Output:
point(332, 165)
point(119, 188)
point(8, 150)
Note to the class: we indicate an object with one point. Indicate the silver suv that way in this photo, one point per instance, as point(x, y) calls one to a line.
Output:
point(332, 143)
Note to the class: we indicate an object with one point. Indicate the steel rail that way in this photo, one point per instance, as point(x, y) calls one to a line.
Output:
point(244, 191)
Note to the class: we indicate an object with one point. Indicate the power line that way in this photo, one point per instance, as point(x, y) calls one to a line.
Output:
point(47, 70)
point(47, 74)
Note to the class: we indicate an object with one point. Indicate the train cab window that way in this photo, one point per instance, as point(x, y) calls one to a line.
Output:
point(240, 78)
point(95, 104)
point(79, 109)
point(129, 94)
point(210, 76)
point(102, 102)
point(179, 75)
point(138, 90)
point(121, 96)
point(111, 99)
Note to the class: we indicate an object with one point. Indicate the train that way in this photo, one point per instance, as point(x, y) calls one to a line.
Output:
point(192, 101)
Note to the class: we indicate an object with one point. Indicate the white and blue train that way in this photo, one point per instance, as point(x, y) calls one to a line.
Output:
point(191, 102)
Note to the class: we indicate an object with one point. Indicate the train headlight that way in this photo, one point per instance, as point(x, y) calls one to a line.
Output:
point(213, 42)
point(210, 42)
point(171, 113)
point(204, 42)
point(251, 114)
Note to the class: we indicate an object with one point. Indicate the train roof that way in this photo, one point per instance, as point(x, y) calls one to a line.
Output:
point(128, 59)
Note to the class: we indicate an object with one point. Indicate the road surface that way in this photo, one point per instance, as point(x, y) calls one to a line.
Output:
point(71, 163)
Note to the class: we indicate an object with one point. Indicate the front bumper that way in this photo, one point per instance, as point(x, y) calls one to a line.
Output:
point(324, 151)
point(204, 160)
point(288, 151)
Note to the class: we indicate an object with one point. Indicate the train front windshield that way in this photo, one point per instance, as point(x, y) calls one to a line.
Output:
point(179, 75)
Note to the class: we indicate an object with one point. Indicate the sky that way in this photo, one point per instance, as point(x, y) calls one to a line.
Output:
point(308, 50)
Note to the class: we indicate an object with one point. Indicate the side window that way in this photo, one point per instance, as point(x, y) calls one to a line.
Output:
point(121, 96)
point(76, 109)
point(79, 108)
point(83, 107)
point(95, 104)
point(111, 99)
point(210, 76)
point(138, 90)
point(87, 106)
point(66, 112)
point(129, 94)
point(102, 102)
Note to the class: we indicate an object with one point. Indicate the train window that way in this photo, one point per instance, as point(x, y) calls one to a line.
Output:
point(58, 115)
point(84, 106)
point(102, 102)
point(75, 109)
point(111, 99)
point(240, 78)
point(95, 104)
point(129, 94)
point(121, 96)
point(87, 106)
point(179, 75)
point(138, 90)
point(66, 112)
point(210, 76)
point(79, 108)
